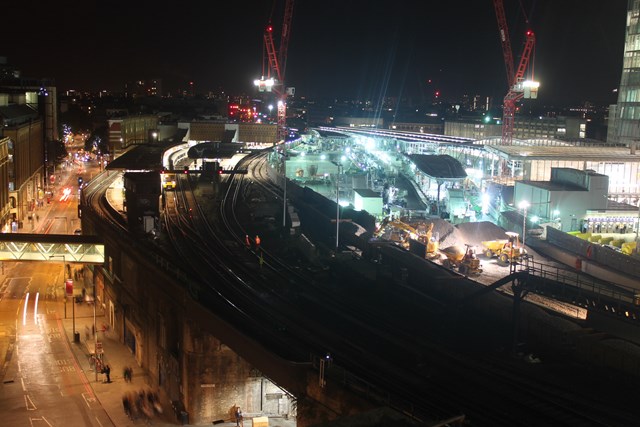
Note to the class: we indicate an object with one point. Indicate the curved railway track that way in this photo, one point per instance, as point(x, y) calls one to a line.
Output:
point(518, 392)
point(388, 354)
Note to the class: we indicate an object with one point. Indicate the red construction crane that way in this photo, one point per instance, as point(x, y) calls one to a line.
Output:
point(518, 87)
point(276, 66)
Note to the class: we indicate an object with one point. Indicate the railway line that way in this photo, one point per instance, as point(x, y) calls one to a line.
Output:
point(385, 343)
point(410, 382)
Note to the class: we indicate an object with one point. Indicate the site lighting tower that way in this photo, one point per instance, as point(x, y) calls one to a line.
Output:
point(524, 205)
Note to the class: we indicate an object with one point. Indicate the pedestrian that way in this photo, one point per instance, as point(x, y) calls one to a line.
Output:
point(107, 372)
point(238, 417)
point(128, 373)
point(127, 406)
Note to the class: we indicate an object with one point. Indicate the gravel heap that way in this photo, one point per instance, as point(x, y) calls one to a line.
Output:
point(474, 233)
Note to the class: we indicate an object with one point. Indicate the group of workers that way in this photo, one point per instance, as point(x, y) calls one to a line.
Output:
point(247, 241)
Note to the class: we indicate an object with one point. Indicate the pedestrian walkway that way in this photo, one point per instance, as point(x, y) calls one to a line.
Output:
point(118, 357)
point(91, 327)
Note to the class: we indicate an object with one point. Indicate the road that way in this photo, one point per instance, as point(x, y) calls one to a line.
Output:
point(42, 382)
point(43, 385)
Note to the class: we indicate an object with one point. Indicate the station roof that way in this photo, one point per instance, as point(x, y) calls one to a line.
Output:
point(367, 193)
point(438, 166)
point(214, 150)
point(564, 152)
point(140, 157)
point(554, 185)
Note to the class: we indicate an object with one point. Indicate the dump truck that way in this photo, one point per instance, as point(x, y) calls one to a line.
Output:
point(507, 250)
point(463, 260)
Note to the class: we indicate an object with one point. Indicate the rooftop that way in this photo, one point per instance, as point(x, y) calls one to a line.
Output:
point(566, 152)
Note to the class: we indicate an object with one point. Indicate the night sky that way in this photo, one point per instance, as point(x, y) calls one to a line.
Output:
point(364, 49)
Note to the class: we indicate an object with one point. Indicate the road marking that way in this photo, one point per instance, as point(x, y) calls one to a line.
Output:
point(54, 337)
point(89, 399)
point(81, 374)
point(31, 420)
point(28, 403)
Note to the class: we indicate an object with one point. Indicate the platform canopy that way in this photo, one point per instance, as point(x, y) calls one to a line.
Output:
point(439, 166)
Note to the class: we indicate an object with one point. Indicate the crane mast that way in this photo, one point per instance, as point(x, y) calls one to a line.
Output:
point(518, 87)
point(277, 61)
point(504, 39)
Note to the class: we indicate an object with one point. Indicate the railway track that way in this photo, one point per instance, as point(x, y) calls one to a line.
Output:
point(495, 391)
point(376, 349)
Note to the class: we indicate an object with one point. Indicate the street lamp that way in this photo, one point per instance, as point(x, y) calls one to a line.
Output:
point(338, 205)
point(76, 336)
point(284, 184)
point(524, 205)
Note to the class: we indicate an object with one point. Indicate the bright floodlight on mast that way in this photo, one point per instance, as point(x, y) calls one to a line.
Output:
point(530, 89)
point(264, 85)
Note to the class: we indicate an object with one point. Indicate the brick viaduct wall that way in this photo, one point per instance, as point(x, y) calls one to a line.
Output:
point(190, 353)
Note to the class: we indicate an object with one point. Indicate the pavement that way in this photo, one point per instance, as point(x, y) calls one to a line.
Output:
point(117, 356)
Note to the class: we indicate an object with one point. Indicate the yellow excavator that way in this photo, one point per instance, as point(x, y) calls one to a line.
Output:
point(402, 233)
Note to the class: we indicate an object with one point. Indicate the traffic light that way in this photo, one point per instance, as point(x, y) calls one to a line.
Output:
point(220, 170)
point(186, 169)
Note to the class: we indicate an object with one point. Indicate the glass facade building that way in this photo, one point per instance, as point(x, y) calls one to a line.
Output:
point(624, 117)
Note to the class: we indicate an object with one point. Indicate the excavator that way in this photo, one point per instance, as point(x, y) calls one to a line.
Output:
point(403, 233)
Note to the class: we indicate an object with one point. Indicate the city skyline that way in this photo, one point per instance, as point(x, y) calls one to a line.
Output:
point(357, 49)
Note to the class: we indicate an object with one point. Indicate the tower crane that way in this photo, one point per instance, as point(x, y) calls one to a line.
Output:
point(518, 87)
point(274, 79)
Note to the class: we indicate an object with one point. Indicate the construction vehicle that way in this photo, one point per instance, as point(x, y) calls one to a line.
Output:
point(507, 250)
point(463, 260)
point(403, 233)
point(628, 248)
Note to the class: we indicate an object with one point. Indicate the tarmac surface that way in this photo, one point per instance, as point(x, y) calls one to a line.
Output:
point(118, 356)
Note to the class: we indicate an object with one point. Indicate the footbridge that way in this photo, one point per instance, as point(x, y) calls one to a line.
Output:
point(51, 248)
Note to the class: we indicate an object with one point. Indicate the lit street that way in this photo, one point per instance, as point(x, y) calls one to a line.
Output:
point(43, 383)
